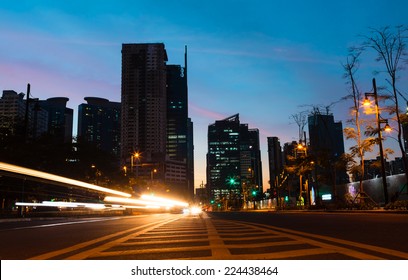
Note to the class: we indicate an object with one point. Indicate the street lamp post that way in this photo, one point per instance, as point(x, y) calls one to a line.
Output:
point(301, 149)
point(380, 146)
point(97, 173)
point(249, 185)
point(154, 170)
point(152, 173)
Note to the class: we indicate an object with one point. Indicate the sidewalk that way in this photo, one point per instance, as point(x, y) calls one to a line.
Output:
point(379, 210)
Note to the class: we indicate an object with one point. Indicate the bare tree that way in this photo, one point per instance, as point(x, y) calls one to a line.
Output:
point(355, 132)
point(301, 121)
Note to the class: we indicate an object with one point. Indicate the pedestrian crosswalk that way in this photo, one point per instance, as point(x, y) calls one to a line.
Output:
point(206, 237)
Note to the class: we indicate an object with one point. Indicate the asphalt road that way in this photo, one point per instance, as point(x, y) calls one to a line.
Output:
point(389, 230)
point(232, 235)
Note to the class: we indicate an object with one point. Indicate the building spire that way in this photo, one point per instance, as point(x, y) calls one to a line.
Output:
point(185, 61)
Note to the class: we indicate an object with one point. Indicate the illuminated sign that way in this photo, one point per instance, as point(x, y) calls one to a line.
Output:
point(326, 197)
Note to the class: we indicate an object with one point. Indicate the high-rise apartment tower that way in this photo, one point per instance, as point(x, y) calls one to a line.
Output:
point(234, 173)
point(144, 121)
point(156, 133)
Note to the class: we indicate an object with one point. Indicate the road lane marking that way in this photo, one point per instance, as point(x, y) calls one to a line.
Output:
point(64, 223)
point(89, 220)
point(95, 251)
point(329, 249)
point(167, 241)
point(226, 240)
point(107, 254)
point(346, 251)
point(63, 251)
point(284, 254)
point(218, 249)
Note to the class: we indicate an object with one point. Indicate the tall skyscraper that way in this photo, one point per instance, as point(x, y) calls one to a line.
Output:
point(190, 158)
point(12, 113)
point(251, 165)
point(327, 145)
point(155, 122)
point(144, 100)
point(325, 134)
point(233, 162)
point(177, 113)
point(99, 123)
point(179, 148)
point(60, 118)
point(275, 161)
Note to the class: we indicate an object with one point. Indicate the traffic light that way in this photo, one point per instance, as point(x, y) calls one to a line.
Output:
point(212, 201)
point(254, 193)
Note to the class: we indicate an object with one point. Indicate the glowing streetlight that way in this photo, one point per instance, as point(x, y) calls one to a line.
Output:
point(366, 102)
point(387, 127)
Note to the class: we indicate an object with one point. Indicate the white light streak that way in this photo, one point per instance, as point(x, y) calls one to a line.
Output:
point(164, 200)
point(43, 175)
point(195, 210)
point(146, 201)
point(124, 200)
point(65, 204)
point(133, 201)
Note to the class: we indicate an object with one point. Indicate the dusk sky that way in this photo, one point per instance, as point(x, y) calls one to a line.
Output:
point(265, 60)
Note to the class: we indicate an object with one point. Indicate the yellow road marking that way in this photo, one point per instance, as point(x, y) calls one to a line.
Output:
point(53, 254)
point(300, 235)
point(94, 251)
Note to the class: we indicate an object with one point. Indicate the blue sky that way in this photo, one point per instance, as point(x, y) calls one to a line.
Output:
point(265, 60)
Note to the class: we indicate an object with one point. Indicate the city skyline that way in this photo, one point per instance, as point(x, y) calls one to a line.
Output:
point(269, 56)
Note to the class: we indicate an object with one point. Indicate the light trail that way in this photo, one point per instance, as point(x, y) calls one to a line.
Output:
point(51, 177)
point(156, 199)
point(124, 200)
point(64, 204)
point(147, 201)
